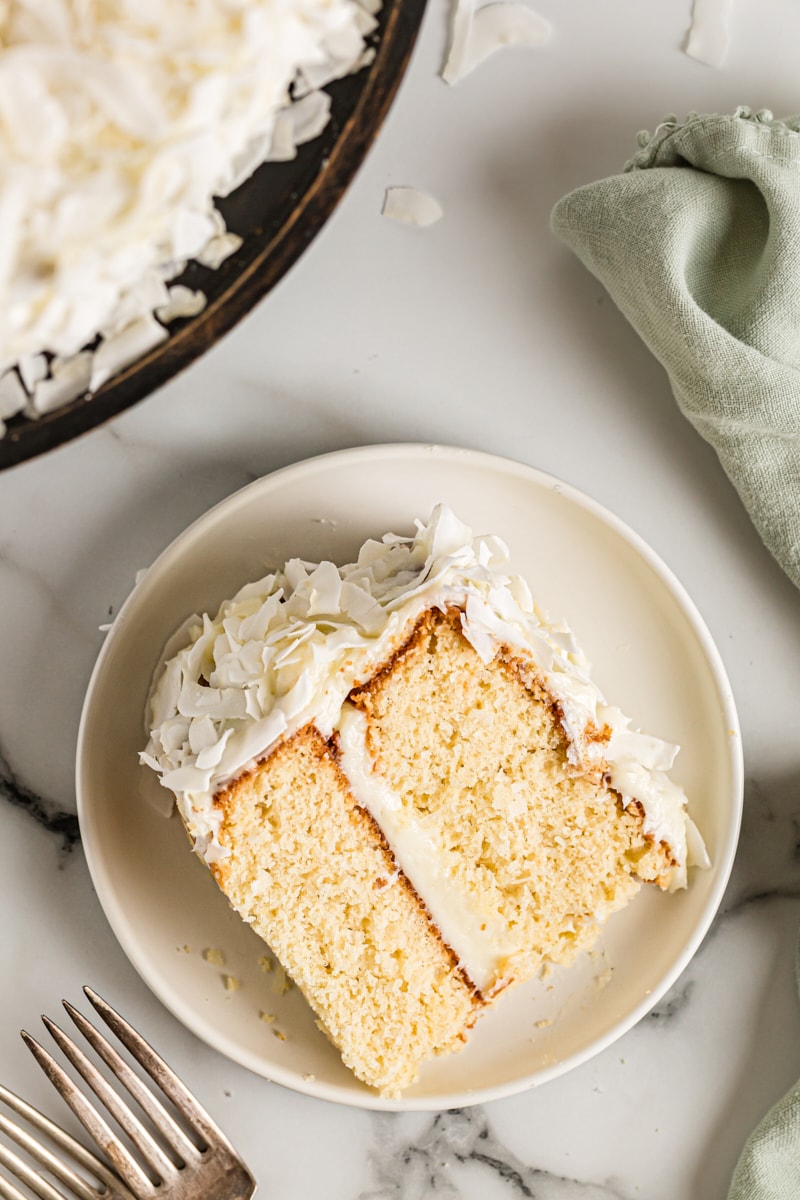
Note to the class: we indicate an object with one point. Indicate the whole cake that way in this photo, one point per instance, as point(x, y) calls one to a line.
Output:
point(403, 778)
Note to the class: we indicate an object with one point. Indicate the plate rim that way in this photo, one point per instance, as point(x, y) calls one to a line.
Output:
point(724, 859)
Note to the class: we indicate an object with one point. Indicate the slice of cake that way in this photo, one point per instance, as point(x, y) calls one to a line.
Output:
point(403, 778)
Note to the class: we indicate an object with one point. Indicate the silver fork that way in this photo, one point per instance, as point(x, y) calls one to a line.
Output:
point(94, 1182)
point(187, 1160)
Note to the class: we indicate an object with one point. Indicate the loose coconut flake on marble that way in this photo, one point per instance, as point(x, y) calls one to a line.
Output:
point(477, 33)
point(411, 206)
point(709, 34)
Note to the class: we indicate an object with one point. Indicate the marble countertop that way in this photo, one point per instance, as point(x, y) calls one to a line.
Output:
point(480, 331)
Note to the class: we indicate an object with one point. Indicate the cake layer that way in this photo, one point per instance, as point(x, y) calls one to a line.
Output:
point(523, 853)
point(310, 872)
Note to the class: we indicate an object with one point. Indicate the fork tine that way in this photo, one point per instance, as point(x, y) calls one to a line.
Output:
point(147, 1101)
point(152, 1153)
point(93, 1123)
point(171, 1085)
point(56, 1135)
point(25, 1174)
point(56, 1166)
point(9, 1192)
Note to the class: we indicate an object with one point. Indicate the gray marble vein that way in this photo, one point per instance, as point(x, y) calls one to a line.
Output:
point(675, 1001)
point(768, 859)
point(459, 1155)
point(49, 816)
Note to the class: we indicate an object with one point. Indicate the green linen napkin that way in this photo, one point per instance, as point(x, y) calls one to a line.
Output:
point(698, 244)
point(769, 1167)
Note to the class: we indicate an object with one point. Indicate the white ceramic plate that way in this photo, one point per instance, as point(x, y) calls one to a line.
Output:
point(651, 653)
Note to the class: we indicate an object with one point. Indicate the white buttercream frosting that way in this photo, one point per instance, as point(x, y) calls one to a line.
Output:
point(287, 650)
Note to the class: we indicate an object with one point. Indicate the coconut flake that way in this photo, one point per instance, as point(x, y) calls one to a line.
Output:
point(411, 206)
point(282, 146)
point(256, 152)
point(69, 378)
point(309, 116)
point(215, 252)
point(298, 123)
point(32, 368)
point(478, 33)
point(343, 60)
point(125, 347)
point(148, 294)
point(709, 34)
point(181, 302)
point(191, 232)
point(13, 396)
point(365, 21)
point(460, 26)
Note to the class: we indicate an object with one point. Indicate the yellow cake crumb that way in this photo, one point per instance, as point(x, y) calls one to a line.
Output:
point(282, 983)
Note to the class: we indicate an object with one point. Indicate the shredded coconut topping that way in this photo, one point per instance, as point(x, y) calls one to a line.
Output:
point(120, 121)
point(288, 649)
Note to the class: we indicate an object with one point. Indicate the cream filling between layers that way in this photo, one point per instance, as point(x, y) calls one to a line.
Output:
point(481, 945)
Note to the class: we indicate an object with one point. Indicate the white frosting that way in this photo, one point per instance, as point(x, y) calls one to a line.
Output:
point(288, 649)
point(119, 123)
